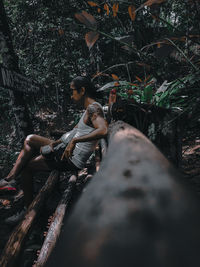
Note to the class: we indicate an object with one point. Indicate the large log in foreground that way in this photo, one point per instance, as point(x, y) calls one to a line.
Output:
point(133, 213)
point(15, 243)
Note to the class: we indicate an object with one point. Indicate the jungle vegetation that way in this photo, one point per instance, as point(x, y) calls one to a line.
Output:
point(149, 51)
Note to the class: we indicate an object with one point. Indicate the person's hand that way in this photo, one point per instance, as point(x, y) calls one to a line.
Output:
point(51, 146)
point(68, 150)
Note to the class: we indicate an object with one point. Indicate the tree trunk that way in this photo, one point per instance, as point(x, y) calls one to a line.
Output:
point(16, 241)
point(103, 147)
point(9, 60)
point(135, 212)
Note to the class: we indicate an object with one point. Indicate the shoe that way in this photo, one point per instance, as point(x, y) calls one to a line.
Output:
point(15, 218)
point(8, 186)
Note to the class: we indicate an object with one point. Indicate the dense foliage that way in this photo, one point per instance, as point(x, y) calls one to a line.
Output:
point(141, 43)
point(147, 52)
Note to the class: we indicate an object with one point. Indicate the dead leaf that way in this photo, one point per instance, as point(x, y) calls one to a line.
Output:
point(115, 9)
point(128, 49)
point(147, 78)
point(116, 84)
point(151, 2)
point(130, 92)
point(60, 31)
point(87, 19)
point(115, 77)
point(97, 74)
point(131, 12)
point(138, 79)
point(91, 38)
point(159, 45)
point(149, 83)
point(92, 4)
point(134, 84)
point(143, 65)
point(99, 10)
point(106, 7)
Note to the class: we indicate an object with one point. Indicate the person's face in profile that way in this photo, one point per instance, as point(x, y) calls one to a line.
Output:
point(76, 96)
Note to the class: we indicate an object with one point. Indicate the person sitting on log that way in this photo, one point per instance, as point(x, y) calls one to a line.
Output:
point(69, 153)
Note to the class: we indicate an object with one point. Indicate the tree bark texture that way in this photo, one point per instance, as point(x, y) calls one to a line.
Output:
point(56, 224)
point(9, 60)
point(15, 243)
point(103, 148)
point(135, 212)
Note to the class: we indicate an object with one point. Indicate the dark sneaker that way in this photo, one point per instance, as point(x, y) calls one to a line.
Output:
point(7, 186)
point(15, 218)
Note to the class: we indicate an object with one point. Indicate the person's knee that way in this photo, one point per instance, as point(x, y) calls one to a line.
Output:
point(29, 140)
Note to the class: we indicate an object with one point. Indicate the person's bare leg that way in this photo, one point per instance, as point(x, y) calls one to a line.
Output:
point(32, 145)
point(36, 164)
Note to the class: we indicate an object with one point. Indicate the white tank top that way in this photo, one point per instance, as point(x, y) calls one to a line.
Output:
point(83, 150)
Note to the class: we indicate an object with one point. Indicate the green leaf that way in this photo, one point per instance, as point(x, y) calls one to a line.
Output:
point(148, 94)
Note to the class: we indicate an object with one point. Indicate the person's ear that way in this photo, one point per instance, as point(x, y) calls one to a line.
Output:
point(83, 90)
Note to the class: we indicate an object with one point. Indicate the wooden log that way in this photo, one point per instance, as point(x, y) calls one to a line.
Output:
point(100, 152)
point(56, 224)
point(15, 243)
point(97, 158)
point(135, 212)
point(103, 146)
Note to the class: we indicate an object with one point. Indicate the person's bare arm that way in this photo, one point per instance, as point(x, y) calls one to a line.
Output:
point(96, 117)
point(57, 142)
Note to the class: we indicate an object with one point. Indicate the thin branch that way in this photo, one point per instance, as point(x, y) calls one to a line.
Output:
point(187, 59)
point(175, 28)
point(114, 66)
point(129, 76)
point(112, 38)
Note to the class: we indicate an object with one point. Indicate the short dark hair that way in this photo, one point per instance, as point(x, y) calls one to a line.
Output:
point(83, 81)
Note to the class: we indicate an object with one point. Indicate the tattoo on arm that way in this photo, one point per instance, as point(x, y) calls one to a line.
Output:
point(95, 111)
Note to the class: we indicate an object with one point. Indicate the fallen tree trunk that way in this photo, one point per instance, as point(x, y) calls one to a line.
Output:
point(15, 243)
point(100, 152)
point(56, 224)
point(135, 212)
point(103, 147)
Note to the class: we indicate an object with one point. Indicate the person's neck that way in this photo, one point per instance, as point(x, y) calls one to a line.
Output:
point(88, 101)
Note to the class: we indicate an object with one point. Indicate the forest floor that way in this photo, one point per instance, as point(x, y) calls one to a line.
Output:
point(47, 122)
